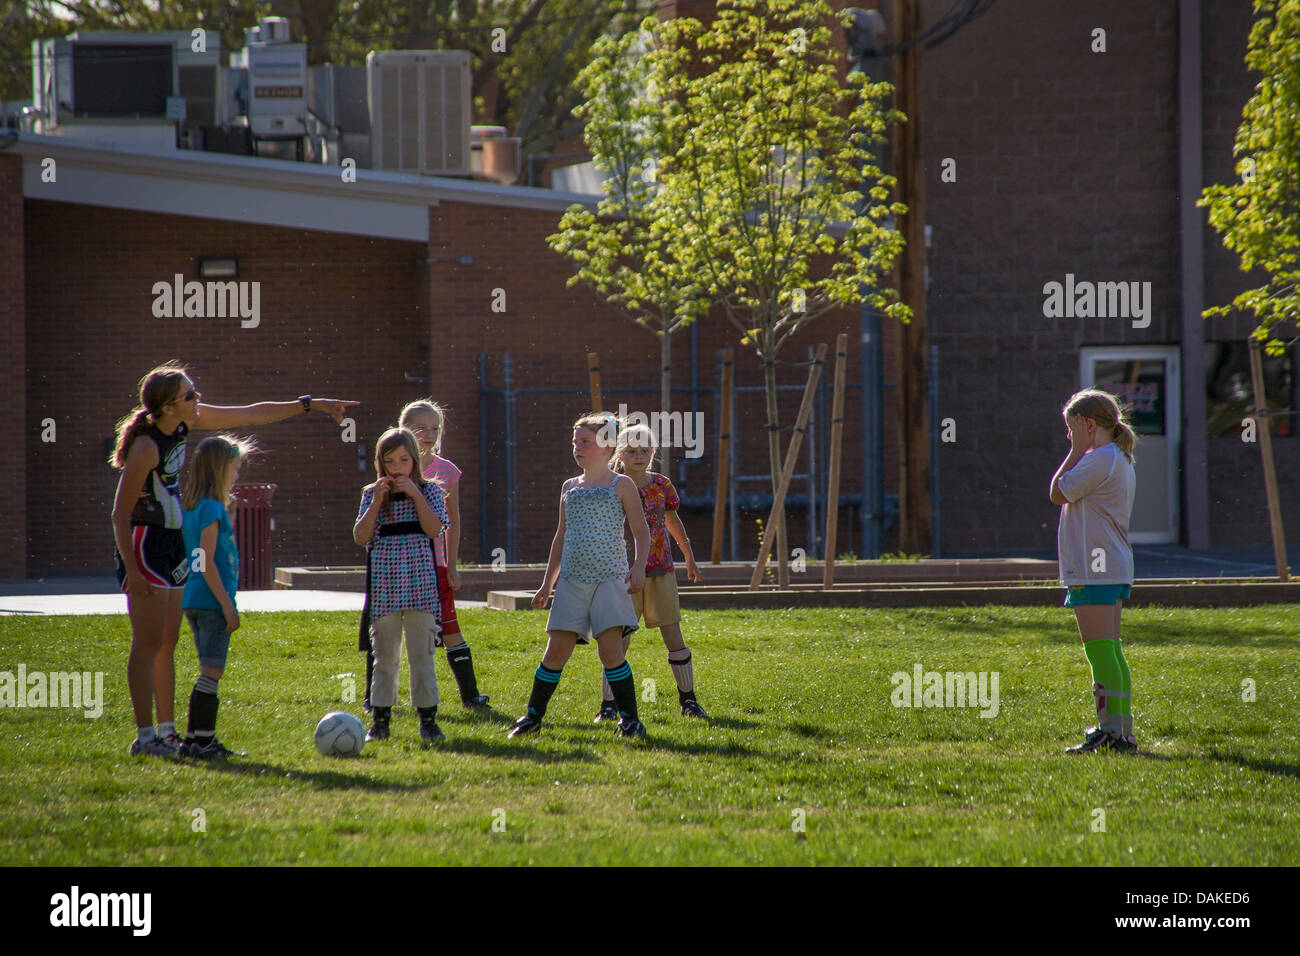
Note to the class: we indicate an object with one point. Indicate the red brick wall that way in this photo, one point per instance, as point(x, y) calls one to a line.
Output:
point(340, 318)
point(17, 428)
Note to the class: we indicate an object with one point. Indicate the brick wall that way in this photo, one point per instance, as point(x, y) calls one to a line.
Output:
point(17, 426)
point(1067, 161)
point(340, 317)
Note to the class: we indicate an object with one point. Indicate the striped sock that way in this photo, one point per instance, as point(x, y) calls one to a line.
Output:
point(203, 709)
point(683, 669)
point(624, 688)
point(544, 684)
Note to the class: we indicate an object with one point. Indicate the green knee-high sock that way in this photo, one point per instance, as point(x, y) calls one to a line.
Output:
point(1107, 683)
point(1125, 703)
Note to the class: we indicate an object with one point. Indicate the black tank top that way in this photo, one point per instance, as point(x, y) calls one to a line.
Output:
point(159, 504)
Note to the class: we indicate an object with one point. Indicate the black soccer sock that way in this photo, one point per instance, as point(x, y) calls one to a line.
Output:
point(624, 688)
point(462, 668)
point(203, 709)
point(544, 684)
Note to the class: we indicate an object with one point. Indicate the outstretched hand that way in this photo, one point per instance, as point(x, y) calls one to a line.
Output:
point(332, 407)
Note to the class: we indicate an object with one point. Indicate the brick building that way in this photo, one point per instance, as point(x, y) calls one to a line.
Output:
point(1068, 163)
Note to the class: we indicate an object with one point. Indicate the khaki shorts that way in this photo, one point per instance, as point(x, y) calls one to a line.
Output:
point(658, 602)
point(590, 607)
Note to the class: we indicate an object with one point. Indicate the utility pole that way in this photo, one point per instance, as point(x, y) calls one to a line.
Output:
point(914, 514)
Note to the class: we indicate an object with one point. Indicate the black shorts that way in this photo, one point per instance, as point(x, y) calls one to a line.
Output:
point(160, 552)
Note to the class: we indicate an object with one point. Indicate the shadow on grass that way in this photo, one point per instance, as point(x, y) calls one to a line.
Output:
point(731, 748)
point(1254, 763)
point(1139, 627)
point(730, 723)
point(514, 750)
point(323, 779)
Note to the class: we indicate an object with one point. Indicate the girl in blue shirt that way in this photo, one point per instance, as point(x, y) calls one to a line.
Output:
point(209, 600)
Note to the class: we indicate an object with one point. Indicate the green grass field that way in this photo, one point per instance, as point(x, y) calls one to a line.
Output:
point(803, 728)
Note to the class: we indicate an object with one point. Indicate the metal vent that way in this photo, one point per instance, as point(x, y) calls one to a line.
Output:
point(420, 111)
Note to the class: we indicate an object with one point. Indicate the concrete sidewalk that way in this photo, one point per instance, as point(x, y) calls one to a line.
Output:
point(100, 595)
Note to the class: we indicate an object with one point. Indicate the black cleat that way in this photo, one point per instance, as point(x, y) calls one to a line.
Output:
point(608, 711)
point(379, 729)
point(430, 732)
point(691, 708)
point(212, 750)
point(477, 701)
point(527, 724)
point(1098, 740)
point(631, 727)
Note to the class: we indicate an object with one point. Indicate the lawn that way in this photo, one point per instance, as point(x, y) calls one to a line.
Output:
point(807, 760)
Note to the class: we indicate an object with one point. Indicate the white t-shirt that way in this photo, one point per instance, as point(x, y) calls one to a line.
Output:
point(1100, 489)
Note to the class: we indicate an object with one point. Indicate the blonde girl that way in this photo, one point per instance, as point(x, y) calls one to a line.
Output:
point(400, 512)
point(426, 420)
point(209, 597)
point(1095, 486)
point(657, 605)
point(152, 564)
point(589, 570)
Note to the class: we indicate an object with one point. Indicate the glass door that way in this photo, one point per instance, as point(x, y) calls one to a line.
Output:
point(1146, 379)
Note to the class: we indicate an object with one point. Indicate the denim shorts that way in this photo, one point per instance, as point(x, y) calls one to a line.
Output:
point(1097, 594)
point(210, 635)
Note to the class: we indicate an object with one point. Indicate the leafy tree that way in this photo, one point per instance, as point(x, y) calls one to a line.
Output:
point(625, 250)
point(1259, 216)
point(775, 148)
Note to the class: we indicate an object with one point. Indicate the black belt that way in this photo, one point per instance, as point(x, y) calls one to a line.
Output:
point(400, 527)
point(385, 531)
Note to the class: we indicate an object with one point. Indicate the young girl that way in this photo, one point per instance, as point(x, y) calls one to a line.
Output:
point(400, 512)
point(589, 558)
point(209, 599)
point(657, 604)
point(1095, 487)
point(425, 419)
point(152, 564)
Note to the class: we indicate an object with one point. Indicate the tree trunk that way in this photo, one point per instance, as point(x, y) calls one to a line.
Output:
point(774, 455)
point(665, 398)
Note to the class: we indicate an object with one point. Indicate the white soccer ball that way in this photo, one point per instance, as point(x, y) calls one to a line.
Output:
point(340, 734)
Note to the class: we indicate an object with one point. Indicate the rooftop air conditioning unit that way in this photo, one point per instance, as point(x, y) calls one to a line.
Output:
point(420, 111)
point(111, 76)
point(275, 86)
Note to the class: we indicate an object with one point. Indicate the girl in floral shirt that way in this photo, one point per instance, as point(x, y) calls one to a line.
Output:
point(658, 603)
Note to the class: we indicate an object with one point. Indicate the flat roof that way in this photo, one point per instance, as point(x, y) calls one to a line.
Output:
point(258, 190)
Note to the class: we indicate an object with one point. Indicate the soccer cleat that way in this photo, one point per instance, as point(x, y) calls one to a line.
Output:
point(214, 749)
point(379, 729)
point(608, 711)
point(527, 724)
point(174, 741)
point(1098, 740)
point(631, 727)
point(691, 708)
point(430, 732)
point(479, 700)
point(155, 747)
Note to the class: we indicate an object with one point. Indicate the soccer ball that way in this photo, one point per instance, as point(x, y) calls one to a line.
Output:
point(340, 734)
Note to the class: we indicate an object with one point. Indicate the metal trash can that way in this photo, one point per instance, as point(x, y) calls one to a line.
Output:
point(252, 521)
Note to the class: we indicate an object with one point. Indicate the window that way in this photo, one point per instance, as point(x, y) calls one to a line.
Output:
point(1228, 394)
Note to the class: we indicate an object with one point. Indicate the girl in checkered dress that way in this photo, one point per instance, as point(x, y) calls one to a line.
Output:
point(400, 512)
